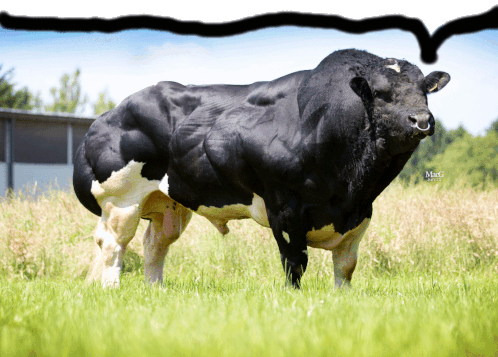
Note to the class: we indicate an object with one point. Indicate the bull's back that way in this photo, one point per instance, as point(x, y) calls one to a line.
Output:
point(147, 124)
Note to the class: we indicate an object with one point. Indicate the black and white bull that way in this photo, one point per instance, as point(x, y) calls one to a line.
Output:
point(305, 154)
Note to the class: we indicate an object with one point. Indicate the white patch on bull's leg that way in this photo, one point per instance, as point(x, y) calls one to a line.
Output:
point(286, 236)
point(344, 248)
point(168, 220)
point(220, 216)
point(121, 198)
point(115, 229)
point(110, 274)
point(154, 250)
point(345, 255)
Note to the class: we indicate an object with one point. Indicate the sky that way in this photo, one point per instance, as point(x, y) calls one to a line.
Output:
point(125, 62)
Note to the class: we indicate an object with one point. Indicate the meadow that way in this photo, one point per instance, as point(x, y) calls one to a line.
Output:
point(426, 285)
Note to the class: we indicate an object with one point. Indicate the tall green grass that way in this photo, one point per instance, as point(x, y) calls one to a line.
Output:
point(426, 285)
point(386, 316)
point(417, 229)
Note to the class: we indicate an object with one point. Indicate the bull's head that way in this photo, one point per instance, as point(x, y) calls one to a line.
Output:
point(394, 94)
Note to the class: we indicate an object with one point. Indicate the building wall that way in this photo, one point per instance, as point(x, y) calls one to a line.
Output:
point(32, 178)
point(42, 149)
point(3, 178)
point(40, 142)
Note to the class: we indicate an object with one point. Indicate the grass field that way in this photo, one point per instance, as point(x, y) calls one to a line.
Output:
point(426, 285)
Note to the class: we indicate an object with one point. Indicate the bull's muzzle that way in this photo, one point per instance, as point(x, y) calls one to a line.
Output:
point(421, 122)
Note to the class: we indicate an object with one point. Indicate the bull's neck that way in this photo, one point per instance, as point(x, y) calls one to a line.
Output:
point(373, 163)
point(362, 165)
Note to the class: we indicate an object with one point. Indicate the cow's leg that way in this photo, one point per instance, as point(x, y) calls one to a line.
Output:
point(115, 229)
point(291, 240)
point(294, 259)
point(345, 255)
point(163, 230)
point(345, 258)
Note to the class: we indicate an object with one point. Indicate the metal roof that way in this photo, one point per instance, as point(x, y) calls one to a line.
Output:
point(8, 113)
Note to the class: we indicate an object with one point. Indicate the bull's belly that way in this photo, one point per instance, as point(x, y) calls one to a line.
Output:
point(126, 189)
point(327, 238)
point(324, 238)
point(220, 216)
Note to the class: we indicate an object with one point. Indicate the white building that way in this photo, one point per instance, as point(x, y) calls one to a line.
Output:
point(37, 149)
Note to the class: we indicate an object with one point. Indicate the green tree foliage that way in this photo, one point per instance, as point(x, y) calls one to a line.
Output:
point(459, 132)
point(16, 99)
point(463, 158)
point(493, 127)
point(103, 104)
point(68, 98)
point(471, 160)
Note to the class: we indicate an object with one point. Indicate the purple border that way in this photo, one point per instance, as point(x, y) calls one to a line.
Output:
point(432, 13)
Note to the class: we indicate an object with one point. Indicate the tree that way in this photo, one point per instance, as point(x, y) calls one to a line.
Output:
point(16, 99)
point(471, 160)
point(104, 103)
point(459, 132)
point(493, 127)
point(67, 98)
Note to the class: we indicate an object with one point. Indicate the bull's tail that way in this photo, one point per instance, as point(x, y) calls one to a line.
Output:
point(83, 177)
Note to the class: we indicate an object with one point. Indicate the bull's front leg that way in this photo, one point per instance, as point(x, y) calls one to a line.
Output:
point(288, 230)
point(294, 257)
point(345, 255)
point(345, 260)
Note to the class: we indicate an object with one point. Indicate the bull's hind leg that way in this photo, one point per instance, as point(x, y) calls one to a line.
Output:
point(164, 228)
point(121, 198)
point(115, 229)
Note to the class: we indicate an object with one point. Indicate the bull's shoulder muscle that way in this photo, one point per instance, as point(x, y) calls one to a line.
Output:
point(269, 93)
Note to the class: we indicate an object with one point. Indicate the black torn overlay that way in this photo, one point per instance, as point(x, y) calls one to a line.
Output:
point(428, 44)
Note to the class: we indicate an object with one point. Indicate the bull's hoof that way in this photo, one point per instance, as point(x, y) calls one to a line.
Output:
point(110, 284)
point(293, 284)
point(342, 284)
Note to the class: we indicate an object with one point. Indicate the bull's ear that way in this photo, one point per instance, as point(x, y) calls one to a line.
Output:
point(436, 81)
point(362, 89)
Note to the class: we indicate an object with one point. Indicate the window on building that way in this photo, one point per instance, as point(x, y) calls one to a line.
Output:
point(40, 142)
